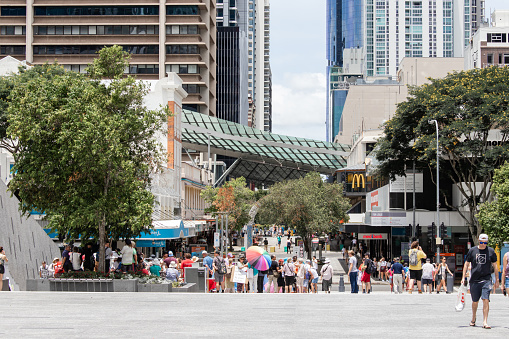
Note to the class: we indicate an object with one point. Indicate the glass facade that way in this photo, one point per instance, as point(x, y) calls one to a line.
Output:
point(95, 10)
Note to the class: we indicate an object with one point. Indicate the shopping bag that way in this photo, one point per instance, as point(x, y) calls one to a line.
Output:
point(460, 301)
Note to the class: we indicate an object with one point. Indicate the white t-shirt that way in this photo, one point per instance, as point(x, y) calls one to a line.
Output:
point(353, 260)
point(313, 273)
point(427, 271)
point(76, 261)
point(326, 272)
point(127, 255)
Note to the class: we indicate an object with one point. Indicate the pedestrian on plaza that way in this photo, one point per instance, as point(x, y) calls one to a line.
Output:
point(3, 261)
point(273, 274)
point(314, 263)
point(155, 268)
point(281, 278)
point(172, 273)
point(66, 259)
point(252, 278)
point(76, 259)
point(427, 276)
point(279, 241)
point(219, 271)
point(352, 272)
point(88, 261)
point(53, 267)
point(504, 286)
point(326, 272)
point(207, 262)
point(397, 276)
point(187, 262)
point(266, 244)
point(261, 280)
point(383, 270)
point(442, 271)
point(241, 266)
point(415, 255)
point(44, 272)
point(307, 276)
point(127, 253)
point(482, 259)
point(230, 268)
point(288, 245)
point(366, 276)
point(313, 276)
point(170, 258)
point(108, 252)
point(289, 272)
point(377, 271)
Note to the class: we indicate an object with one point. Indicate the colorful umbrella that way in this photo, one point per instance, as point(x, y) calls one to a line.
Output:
point(258, 258)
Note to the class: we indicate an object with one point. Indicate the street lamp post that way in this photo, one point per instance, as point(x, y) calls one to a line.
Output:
point(438, 190)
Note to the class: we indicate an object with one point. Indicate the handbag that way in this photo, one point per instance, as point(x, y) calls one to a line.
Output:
point(276, 273)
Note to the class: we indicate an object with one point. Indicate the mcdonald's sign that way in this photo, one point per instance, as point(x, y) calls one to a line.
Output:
point(358, 178)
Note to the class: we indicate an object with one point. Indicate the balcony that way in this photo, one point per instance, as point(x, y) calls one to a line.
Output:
point(191, 173)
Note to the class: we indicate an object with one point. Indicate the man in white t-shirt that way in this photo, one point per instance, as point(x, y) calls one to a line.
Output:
point(427, 275)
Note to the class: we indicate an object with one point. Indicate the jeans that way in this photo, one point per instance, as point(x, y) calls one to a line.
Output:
point(353, 282)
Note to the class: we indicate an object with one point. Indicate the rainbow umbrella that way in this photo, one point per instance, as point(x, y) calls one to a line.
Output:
point(258, 258)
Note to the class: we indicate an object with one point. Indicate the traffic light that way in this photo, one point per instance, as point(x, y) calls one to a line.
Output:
point(432, 233)
point(418, 231)
point(408, 230)
point(443, 230)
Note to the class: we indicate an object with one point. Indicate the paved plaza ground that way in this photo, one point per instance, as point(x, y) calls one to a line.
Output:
point(175, 315)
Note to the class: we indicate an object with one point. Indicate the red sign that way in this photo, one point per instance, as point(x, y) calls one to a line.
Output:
point(374, 199)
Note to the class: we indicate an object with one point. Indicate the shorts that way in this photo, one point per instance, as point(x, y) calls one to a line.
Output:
point(300, 281)
point(506, 282)
point(366, 277)
point(306, 283)
point(315, 281)
point(416, 274)
point(2, 269)
point(427, 281)
point(218, 278)
point(382, 269)
point(289, 280)
point(326, 284)
point(480, 290)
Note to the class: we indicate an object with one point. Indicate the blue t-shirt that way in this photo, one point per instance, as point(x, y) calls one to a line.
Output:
point(207, 261)
point(155, 270)
point(397, 268)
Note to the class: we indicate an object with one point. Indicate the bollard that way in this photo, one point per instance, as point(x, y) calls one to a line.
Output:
point(341, 284)
point(449, 283)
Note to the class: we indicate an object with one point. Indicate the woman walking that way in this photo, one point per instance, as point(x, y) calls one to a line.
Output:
point(441, 272)
point(3, 260)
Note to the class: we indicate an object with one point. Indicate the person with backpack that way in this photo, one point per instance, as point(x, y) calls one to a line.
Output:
point(219, 270)
point(415, 256)
point(326, 273)
point(368, 267)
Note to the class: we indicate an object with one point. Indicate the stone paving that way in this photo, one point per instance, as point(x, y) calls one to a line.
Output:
point(175, 315)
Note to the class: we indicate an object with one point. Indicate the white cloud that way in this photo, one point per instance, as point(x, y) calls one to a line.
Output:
point(298, 105)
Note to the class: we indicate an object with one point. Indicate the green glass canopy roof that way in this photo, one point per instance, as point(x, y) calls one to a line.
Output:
point(294, 156)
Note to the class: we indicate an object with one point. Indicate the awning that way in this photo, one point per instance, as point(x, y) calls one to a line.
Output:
point(168, 229)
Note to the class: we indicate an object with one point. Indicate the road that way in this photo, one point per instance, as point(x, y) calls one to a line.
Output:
point(175, 315)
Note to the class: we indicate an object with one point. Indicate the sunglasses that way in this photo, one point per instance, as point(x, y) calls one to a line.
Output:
point(483, 243)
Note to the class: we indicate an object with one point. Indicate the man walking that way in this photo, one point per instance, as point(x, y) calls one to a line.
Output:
point(273, 274)
point(415, 255)
point(352, 271)
point(481, 258)
point(219, 270)
point(427, 275)
point(397, 276)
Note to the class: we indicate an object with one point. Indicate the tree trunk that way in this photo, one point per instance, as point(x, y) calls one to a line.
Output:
point(102, 242)
point(307, 245)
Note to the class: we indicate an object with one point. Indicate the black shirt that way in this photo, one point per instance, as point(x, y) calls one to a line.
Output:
point(273, 267)
point(481, 263)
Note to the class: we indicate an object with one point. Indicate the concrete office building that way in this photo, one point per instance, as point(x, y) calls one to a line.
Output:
point(490, 45)
point(232, 61)
point(259, 72)
point(370, 38)
point(161, 35)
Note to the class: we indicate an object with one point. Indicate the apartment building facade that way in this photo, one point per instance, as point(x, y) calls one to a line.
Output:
point(161, 35)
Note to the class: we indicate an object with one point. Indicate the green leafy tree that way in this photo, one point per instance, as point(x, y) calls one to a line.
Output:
point(87, 150)
point(6, 86)
point(307, 204)
point(469, 107)
point(494, 216)
point(234, 198)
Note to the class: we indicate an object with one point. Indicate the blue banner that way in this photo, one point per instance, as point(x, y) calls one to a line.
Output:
point(150, 243)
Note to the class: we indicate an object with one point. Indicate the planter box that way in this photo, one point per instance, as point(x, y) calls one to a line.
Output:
point(81, 285)
point(125, 285)
point(5, 286)
point(187, 288)
point(38, 285)
point(154, 288)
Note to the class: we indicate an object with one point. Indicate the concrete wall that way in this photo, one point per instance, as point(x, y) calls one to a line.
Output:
point(25, 242)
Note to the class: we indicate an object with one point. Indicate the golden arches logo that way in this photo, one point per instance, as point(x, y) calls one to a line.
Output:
point(358, 178)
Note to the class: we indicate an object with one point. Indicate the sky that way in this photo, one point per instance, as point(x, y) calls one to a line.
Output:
point(297, 59)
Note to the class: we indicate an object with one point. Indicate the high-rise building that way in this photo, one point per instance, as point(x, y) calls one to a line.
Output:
point(369, 38)
point(161, 35)
point(232, 61)
point(259, 73)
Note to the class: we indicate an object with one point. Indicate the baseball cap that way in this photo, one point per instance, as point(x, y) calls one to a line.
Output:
point(203, 252)
point(170, 253)
point(483, 237)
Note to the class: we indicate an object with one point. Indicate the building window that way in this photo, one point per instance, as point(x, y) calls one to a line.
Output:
point(143, 69)
point(96, 10)
point(191, 88)
point(12, 50)
point(12, 30)
point(490, 59)
point(182, 10)
point(183, 69)
point(13, 11)
point(182, 29)
point(182, 49)
point(497, 37)
point(84, 49)
point(97, 30)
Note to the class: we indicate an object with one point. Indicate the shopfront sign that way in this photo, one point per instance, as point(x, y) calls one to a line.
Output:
point(372, 236)
point(150, 243)
point(402, 184)
point(388, 219)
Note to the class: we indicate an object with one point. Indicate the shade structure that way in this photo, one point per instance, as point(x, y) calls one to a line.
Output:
point(258, 258)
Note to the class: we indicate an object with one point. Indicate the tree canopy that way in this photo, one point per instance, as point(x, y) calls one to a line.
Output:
point(494, 216)
point(471, 108)
point(87, 149)
point(307, 204)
